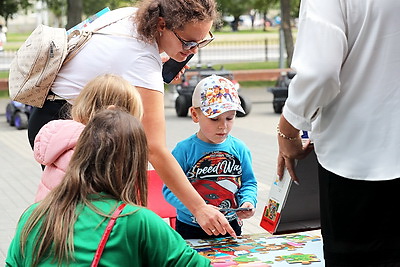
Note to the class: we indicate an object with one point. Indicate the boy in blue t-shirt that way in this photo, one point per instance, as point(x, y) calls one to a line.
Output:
point(217, 164)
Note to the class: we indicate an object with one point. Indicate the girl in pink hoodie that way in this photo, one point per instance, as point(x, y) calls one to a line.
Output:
point(56, 140)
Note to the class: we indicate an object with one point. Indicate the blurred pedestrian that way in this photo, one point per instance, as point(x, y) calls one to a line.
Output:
point(3, 36)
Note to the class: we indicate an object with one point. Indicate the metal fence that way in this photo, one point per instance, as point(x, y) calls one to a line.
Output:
point(215, 53)
point(239, 51)
point(5, 59)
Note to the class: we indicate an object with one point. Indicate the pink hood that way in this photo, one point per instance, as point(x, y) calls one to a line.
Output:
point(54, 146)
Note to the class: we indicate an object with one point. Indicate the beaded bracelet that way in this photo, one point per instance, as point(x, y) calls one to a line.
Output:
point(284, 135)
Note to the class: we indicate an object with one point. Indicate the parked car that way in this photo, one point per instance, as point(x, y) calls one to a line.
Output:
point(280, 91)
point(186, 87)
point(17, 114)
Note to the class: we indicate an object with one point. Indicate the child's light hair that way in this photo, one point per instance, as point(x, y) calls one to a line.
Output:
point(104, 91)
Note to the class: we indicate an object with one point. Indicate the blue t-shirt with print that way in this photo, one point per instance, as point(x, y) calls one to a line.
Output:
point(221, 173)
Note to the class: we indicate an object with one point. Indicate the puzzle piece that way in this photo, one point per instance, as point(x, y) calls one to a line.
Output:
point(304, 259)
point(283, 246)
point(301, 238)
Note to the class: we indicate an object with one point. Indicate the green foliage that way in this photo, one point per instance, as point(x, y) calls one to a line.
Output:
point(234, 7)
point(92, 6)
point(57, 7)
point(295, 8)
point(265, 5)
point(9, 7)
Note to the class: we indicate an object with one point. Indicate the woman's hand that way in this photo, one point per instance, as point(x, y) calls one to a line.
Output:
point(291, 148)
point(165, 58)
point(246, 214)
point(212, 221)
point(179, 75)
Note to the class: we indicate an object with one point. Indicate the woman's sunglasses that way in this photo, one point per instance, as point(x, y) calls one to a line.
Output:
point(187, 45)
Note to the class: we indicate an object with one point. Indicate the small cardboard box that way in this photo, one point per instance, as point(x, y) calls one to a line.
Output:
point(294, 208)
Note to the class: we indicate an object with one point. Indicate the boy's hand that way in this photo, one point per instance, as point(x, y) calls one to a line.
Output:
point(246, 214)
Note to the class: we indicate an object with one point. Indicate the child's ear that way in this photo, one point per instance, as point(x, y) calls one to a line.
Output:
point(194, 114)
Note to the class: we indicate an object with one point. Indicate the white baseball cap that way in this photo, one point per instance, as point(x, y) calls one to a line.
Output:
point(215, 95)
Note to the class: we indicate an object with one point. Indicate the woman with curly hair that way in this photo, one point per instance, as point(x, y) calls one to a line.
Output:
point(130, 46)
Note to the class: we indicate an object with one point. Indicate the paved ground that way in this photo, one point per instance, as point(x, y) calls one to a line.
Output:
point(20, 174)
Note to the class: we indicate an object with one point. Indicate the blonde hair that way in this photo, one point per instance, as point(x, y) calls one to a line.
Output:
point(110, 158)
point(176, 13)
point(104, 91)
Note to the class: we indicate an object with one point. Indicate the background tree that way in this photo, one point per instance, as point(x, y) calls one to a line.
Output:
point(9, 7)
point(234, 8)
point(263, 6)
point(295, 8)
point(287, 29)
point(57, 7)
point(74, 12)
point(73, 9)
point(76, 9)
point(92, 6)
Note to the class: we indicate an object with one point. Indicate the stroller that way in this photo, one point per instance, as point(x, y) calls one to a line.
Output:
point(17, 114)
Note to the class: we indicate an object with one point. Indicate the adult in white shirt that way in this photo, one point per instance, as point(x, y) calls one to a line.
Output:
point(347, 93)
point(132, 50)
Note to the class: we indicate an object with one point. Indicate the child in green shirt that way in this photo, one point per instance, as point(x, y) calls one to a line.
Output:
point(108, 167)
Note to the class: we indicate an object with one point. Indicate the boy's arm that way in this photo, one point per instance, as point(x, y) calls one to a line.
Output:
point(248, 190)
point(174, 201)
point(245, 214)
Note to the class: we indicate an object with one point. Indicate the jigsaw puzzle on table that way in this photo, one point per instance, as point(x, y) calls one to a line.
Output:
point(259, 250)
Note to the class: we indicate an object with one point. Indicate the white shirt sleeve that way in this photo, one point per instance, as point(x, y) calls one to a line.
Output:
point(146, 72)
point(321, 48)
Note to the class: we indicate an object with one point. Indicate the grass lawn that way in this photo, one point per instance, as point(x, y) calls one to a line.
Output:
point(248, 65)
point(15, 40)
point(17, 37)
point(3, 74)
point(252, 84)
point(3, 94)
point(227, 30)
